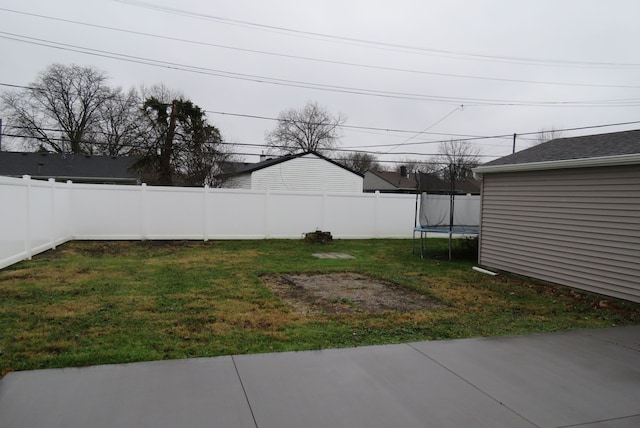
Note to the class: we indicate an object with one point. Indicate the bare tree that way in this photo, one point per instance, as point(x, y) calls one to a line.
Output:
point(360, 162)
point(459, 157)
point(311, 128)
point(119, 130)
point(61, 106)
point(430, 166)
point(547, 135)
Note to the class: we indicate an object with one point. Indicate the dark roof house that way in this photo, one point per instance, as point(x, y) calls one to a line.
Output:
point(404, 182)
point(68, 166)
point(567, 211)
point(390, 181)
point(563, 150)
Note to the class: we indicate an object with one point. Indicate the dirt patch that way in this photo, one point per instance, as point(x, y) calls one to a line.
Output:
point(340, 293)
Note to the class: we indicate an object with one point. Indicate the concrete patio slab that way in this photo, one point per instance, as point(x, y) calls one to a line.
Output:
point(182, 393)
point(632, 422)
point(553, 380)
point(625, 336)
point(588, 379)
point(380, 386)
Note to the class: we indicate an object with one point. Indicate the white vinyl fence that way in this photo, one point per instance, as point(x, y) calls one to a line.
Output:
point(39, 215)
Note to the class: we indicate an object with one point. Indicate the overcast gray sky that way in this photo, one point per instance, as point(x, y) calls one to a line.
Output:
point(388, 66)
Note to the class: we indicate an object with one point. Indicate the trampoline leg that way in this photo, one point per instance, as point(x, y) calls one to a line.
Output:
point(413, 242)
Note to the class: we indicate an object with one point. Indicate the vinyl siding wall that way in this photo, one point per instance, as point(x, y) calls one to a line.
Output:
point(575, 227)
point(306, 173)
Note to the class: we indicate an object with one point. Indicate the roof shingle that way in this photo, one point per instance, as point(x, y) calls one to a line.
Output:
point(584, 147)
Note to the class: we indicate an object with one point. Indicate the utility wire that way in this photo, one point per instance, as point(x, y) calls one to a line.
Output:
point(426, 129)
point(326, 61)
point(262, 146)
point(310, 85)
point(393, 46)
point(456, 136)
point(581, 128)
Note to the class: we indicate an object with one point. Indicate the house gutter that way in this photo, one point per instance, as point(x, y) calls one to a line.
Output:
point(619, 160)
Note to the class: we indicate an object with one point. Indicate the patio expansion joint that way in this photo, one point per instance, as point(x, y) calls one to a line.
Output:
point(244, 391)
point(473, 386)
point(584, 424)
point(610, 341)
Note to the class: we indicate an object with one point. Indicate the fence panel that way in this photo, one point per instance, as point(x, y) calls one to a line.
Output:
point(291, 214)
point(13, 220)
point(173, 213)
point(62, 212)
point(235, 214)
point(42, 233)
point(107, 211)
point(396, 215)
point(351, 216)
point(38, 215)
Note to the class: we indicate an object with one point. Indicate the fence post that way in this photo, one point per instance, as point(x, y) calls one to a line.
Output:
point(71, 215)
point(52, 183)
point(205, 216)
point(376, 215)
point(27, 232)
point(143, 211)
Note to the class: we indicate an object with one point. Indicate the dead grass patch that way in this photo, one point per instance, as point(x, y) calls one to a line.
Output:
point(343, 293)
point(68, 309)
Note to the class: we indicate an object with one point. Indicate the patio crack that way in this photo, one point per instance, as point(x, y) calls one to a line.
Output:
point(474, 386)
point(244, 391)
point(585, 424)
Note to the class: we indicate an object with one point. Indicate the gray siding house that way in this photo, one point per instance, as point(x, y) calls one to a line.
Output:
point(566, 211)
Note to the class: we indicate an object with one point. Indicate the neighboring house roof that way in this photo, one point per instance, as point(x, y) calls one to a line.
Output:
point(422, 181)
point(396, 180)
point(614, 148)
point(231, 167)
point(249, 168)
point(68, 166)
point(433, 183)
point(468, 186)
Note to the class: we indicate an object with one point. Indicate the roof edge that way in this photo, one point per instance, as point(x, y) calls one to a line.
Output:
point(376, 173)
point(618, 160)
point(275, 161)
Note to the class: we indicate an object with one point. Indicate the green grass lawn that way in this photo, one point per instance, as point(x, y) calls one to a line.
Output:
point(115, 302)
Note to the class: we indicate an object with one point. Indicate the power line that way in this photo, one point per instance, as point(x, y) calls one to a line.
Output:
point(332, 150)
point(220, 73)
point(326, 61)
point(311, 85)
point(392, 46)
point(275, 119)
point(427, 128)
point(356, 150)
point(456, 136)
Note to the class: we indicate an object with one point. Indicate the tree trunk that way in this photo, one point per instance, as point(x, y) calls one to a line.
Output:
point(167, 148)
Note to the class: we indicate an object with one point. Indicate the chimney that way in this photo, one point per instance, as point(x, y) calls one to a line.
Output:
point(403, 171)
point(263, 157)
